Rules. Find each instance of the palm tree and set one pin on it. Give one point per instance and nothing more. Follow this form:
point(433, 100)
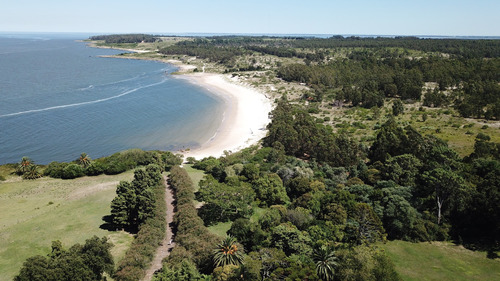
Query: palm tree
point(31, 173)
point(325, 263)
point(227, 252)
point(24, 164)
point(84, 160)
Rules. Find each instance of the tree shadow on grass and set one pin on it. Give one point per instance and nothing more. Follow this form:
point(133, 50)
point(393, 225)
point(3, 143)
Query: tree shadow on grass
point(110, 226)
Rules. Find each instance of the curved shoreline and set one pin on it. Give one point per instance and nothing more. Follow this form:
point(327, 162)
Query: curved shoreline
point(245, 117)
point(246, 112)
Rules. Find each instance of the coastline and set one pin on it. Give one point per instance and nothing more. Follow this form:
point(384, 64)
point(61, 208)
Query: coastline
point(246, 112)
point(245, 117)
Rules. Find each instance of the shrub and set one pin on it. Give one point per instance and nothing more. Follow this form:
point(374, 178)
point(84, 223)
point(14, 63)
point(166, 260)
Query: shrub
point(72, 171)
point(95, 169)
point(55, 169)
point(191, 160)
point(170, 160)
point(115, 168)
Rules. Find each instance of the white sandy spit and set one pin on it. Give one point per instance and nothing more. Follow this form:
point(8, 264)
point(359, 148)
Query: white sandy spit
point(245, 118)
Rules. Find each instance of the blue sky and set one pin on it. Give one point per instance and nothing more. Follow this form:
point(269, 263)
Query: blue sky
point(371, 17)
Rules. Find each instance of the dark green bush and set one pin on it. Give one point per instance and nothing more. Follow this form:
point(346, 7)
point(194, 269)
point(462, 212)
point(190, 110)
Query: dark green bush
point(95, 169)
point(115, 168)
point(55, 169)
point(72, 171)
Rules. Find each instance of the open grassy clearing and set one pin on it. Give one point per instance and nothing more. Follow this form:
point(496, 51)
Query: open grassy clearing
point(440, 261)
point(34, 213)
point(195, 175)
point(220, 229)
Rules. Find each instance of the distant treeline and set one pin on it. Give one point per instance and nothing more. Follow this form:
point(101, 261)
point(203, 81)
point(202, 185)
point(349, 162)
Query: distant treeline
point(126, 38)
point(204, 49)
point(457, 47)
point(288, 52)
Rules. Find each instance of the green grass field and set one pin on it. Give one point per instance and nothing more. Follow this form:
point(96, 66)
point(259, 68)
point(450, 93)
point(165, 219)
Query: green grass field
point(195, 175)
point(440, 261)
point(34, 213)
point(220, 229)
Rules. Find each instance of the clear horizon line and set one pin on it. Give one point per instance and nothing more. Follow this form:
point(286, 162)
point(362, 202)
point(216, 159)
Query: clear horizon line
point(249, 34)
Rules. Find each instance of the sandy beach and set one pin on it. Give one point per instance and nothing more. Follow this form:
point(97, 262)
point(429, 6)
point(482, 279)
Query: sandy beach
point(246, 112)
point(245, 118)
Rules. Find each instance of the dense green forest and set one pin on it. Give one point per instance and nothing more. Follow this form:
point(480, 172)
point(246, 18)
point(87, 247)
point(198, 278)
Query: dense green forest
point(312, 205)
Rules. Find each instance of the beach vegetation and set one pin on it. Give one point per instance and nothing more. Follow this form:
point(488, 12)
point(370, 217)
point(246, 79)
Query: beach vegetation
point(23, 166)
point(84, 160)
point(32, 173)
point(406, 186)
point(27, 169)
point(111, 165)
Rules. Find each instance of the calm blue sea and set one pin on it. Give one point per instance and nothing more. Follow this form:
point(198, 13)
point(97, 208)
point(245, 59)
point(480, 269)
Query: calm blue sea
point(58, 98)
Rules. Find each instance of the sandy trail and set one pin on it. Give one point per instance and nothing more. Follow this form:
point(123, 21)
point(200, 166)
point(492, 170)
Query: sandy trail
point(167, 244)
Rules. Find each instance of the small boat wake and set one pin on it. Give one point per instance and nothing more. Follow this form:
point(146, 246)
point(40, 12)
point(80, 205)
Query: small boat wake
point(83, 103)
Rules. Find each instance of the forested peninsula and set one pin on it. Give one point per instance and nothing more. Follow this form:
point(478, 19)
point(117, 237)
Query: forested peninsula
point(381, 162)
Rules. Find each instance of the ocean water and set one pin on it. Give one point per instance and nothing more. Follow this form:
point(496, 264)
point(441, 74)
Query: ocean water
point(58, 98)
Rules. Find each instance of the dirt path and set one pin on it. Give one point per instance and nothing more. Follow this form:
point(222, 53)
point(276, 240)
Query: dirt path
point(167, 244)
